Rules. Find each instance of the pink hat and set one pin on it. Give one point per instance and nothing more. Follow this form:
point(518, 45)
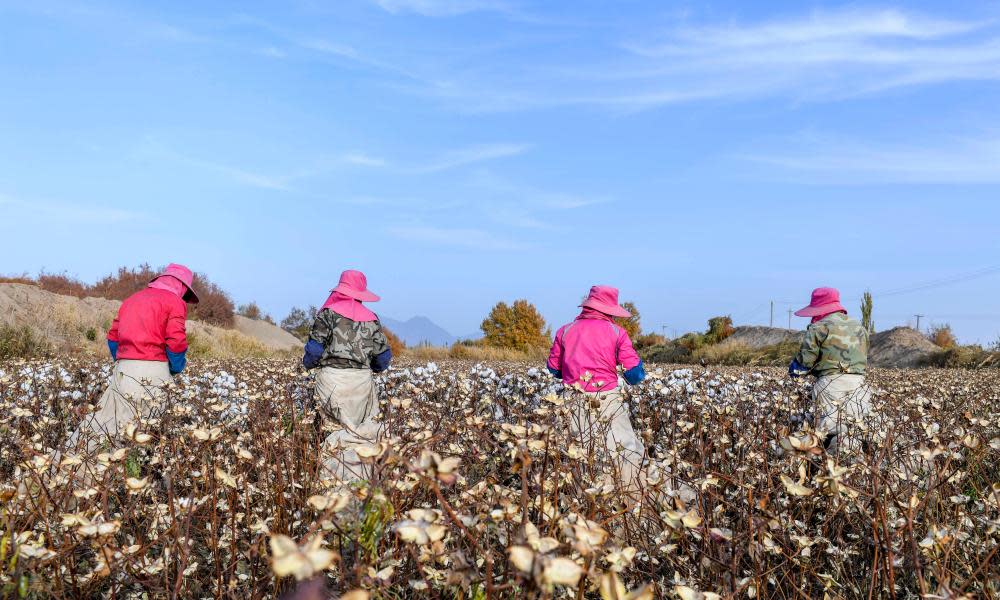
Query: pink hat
point(604, 298)
point(824, 301)
point(354, 284)
point(185, 276)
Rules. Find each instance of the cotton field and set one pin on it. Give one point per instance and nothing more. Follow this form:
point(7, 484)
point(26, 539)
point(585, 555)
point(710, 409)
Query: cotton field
point(478, 490)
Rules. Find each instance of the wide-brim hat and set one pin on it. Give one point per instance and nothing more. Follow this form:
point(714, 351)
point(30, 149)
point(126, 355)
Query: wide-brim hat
point(604, 298)
point(354, 284)
point(825, 300)
point(185, 276)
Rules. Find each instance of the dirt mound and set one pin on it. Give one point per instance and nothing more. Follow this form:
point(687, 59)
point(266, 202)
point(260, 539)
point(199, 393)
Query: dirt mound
point(71, 324)
point(900, 347)
point(272, 336)
point(760, 337)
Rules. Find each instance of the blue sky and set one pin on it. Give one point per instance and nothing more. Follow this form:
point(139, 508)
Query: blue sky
point(706, 158)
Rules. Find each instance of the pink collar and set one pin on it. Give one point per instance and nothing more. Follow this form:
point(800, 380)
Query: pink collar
point(170, 284)
point(348, 307)
point(592, 313)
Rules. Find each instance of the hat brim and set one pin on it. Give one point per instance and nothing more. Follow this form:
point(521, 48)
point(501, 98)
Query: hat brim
point(822, 309)
point(362, 295)
point(609, 309)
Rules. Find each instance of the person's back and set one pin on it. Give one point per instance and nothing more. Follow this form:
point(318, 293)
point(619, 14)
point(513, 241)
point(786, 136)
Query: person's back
point(150, 322)
point(587, 352)
point(349, 344)
point(835, 344)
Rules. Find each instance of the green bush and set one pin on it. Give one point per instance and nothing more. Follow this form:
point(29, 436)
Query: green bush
point(91, 334)
point(666, 353)
point(21, 342)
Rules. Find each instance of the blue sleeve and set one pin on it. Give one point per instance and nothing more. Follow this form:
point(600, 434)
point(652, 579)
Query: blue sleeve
point(555, 372)
point(635, 374)
point(314, 351)
point(796, 369)
point(177, 360)
point(113, 348)
point(381, 362)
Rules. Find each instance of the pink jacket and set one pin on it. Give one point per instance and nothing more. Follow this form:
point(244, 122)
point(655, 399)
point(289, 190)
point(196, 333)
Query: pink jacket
point(149, 323)
point(592, 344)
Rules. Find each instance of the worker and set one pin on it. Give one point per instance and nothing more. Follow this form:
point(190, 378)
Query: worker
point(585, 355)
point(148, 343)
point(835, 351)
point(347, 345)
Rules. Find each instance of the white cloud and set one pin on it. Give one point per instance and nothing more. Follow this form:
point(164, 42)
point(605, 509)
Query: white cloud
point(363, 160)
point(72, 212)
point(477, 239)
point(471, 155)
point(934, 161)
point(441, 8)
point(820, 56)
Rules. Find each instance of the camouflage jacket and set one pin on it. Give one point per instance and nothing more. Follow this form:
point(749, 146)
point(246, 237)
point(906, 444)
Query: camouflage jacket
point(834, 344)
point(347, 344)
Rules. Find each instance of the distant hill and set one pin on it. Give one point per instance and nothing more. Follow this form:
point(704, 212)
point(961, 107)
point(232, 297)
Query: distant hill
point(419, 330)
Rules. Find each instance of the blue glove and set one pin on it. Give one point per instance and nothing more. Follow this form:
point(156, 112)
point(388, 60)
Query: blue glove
point(177, 361)
point(555, 372)
point(796, 370)
point(635, 374)
point(381, 362)
point(113, 348)
point(314, 352)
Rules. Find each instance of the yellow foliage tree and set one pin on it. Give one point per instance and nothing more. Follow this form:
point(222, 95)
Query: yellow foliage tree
point(518, 326)
point(630, 324)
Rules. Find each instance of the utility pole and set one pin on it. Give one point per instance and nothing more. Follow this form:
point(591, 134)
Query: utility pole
point(772, 313)
point(790, 311)
point(918, 322)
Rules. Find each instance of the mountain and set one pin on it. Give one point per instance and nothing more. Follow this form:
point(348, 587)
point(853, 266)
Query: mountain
point(419, 330)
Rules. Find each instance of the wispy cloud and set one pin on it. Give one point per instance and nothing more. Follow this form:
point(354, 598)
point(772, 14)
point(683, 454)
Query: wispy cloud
point(72, 212)
point(442, 8)
point(363, 160)
point(820, 56)
point(826, 159)
point(478, 239)
point(471, 155)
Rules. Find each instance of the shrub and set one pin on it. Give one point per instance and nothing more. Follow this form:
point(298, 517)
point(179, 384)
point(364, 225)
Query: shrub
point(62, 284)
point(648, 341)
point(963, 357)
point(691, 341)
point(21, 342)
point(519, 327)
point(253, 311)
point(666, 353)
point(299, 322)
point(942, 336)
point(22, 278)
point(124, 283)
point(396, 344)
point(91, 334)
point(214, 306)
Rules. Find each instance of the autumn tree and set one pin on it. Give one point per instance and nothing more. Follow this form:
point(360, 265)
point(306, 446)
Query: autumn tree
point(719, 328)
point(518, 326)
point(630, 324)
